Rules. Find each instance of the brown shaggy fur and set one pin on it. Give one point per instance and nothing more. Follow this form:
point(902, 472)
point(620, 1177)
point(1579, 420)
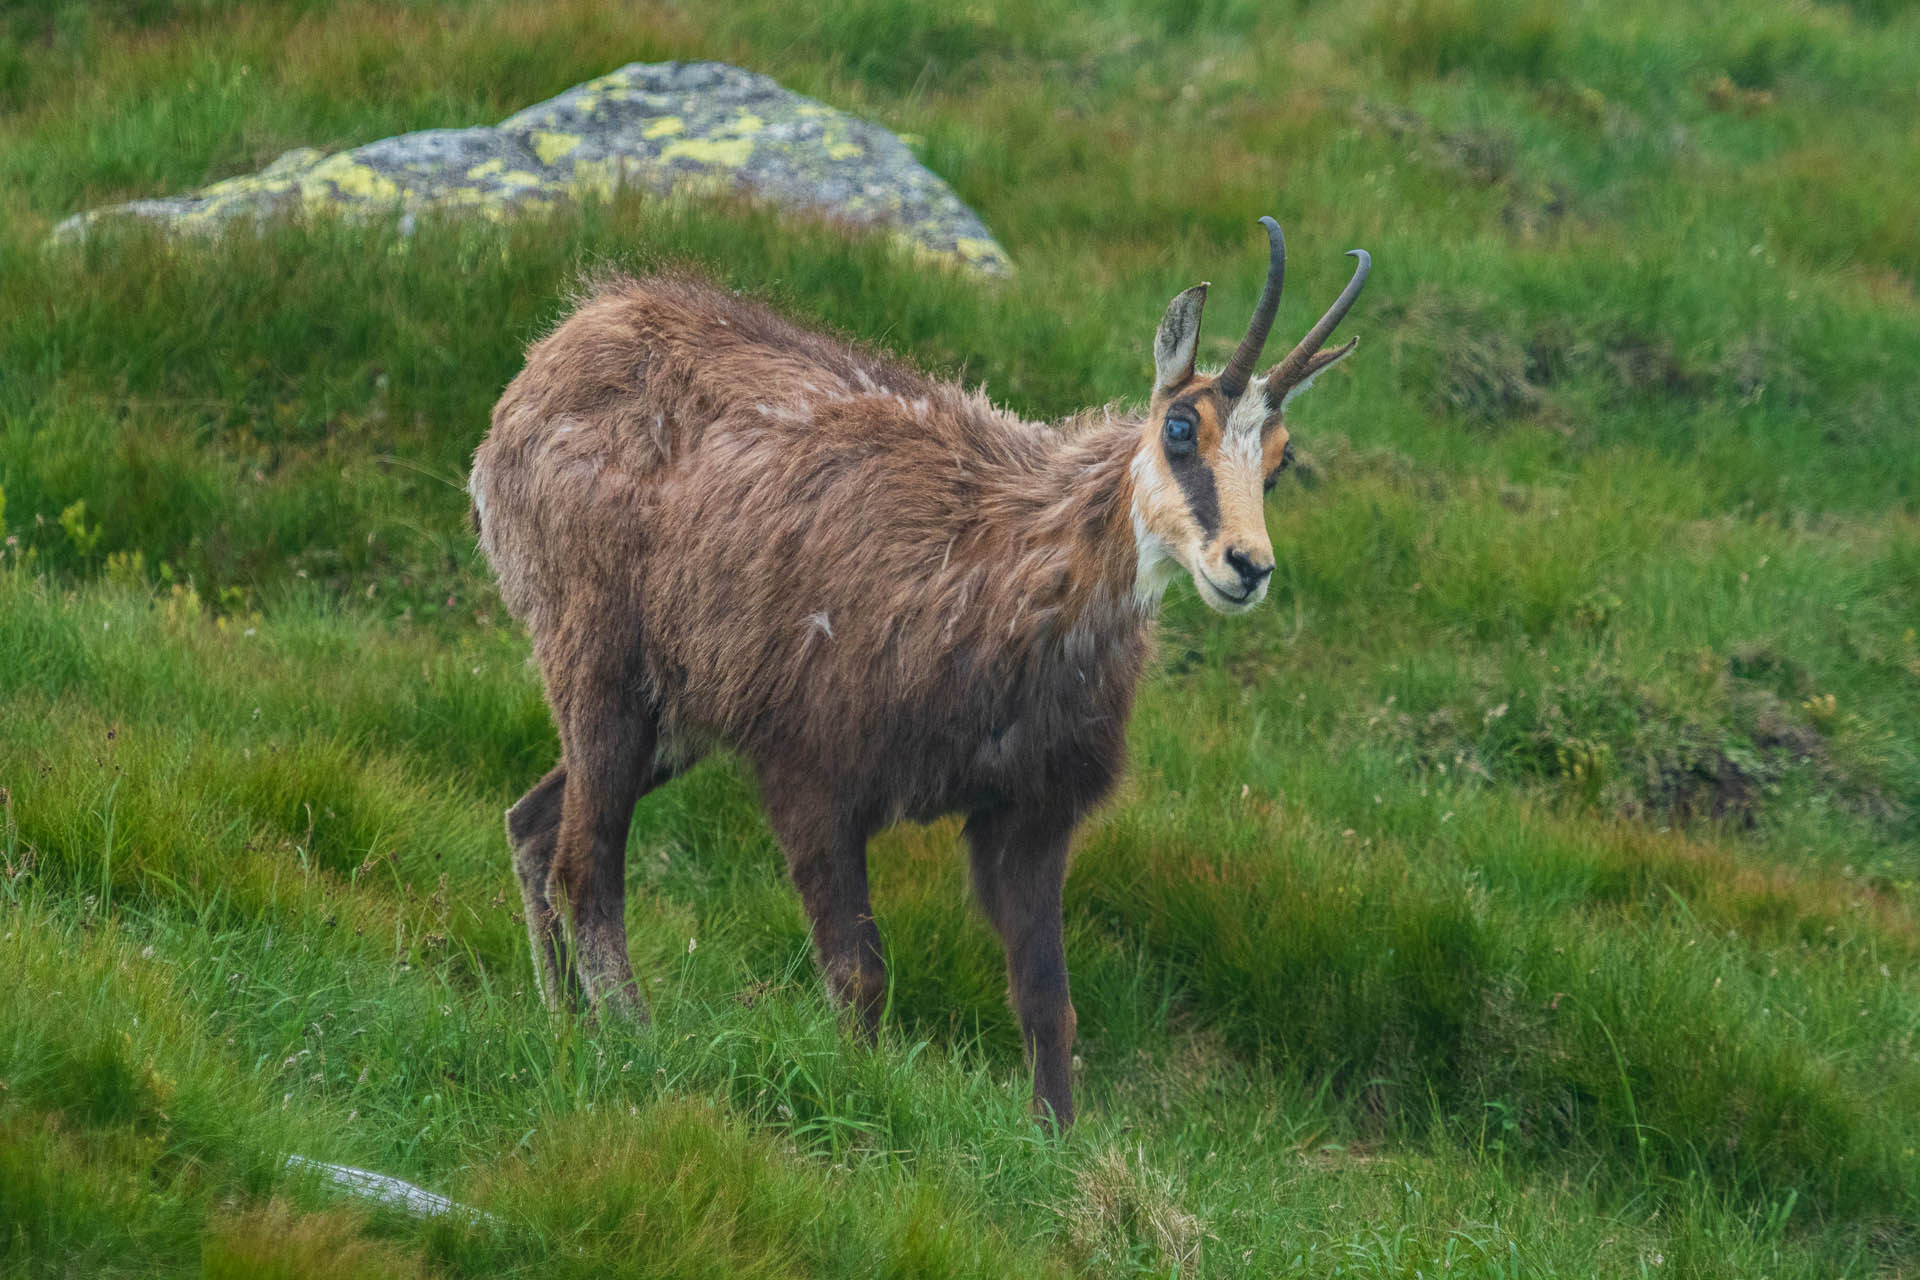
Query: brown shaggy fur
point(893, 599)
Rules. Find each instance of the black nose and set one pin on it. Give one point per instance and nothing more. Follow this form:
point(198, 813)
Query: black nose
point(1251, 574)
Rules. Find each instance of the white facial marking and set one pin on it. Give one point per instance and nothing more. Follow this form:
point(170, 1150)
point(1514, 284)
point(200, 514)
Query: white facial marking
point(1249, 416)
point(1154, 561)
point(1156, 566)
point(1241, 450)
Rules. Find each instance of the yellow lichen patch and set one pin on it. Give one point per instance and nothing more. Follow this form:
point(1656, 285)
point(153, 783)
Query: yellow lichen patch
point(248, 184)
point(615, 86)
point(729, 152)
point(487, 168)
point(967, 251)
point(521, 178)
point(746, 122)
point(974, 249)
point(664, 126)
point(844, 150)
point(917, 250)
point(298, 160)
point(490, 197)
point(277, 179)
point(349, 178)
point(551, 146)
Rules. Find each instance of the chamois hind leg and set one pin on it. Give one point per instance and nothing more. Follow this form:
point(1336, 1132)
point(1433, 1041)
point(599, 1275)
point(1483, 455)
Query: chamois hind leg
point(827, 856)
point(1019, 868)
point(607, 738)
point(533, 826)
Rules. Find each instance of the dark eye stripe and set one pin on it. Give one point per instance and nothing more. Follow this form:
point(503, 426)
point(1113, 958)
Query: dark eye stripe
point(1196, 483)
point(1192, 472)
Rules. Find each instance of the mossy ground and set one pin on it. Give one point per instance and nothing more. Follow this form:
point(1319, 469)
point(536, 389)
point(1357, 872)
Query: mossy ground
point(1529, 890)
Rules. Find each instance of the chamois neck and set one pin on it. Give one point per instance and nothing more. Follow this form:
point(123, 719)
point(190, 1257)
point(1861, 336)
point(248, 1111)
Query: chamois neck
point(1071, 510)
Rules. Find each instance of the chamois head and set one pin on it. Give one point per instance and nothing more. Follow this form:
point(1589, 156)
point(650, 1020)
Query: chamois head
point(1214, 443)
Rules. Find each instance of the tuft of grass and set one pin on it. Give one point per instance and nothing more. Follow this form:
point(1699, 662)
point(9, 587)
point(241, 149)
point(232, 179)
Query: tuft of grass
point(276, 1241)
point(1122, 1209)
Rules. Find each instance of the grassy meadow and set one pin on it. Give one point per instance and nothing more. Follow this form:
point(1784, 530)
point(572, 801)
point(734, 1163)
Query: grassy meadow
point(1531, 888)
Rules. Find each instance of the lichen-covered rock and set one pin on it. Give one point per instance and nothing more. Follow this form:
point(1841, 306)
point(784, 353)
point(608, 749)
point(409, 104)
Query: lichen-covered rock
point(668, 127)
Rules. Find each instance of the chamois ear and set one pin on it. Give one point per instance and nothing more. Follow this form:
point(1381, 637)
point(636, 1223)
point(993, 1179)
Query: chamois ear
point(1319, 364)
point(1178, 338)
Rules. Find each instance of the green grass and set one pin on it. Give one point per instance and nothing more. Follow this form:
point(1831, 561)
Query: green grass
point(1528, 891)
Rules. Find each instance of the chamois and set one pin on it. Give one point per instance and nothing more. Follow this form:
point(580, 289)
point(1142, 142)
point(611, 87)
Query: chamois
point(892, 598)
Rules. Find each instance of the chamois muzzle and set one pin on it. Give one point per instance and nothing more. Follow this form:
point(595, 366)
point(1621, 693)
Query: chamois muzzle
point(1252, 572)
point(1233, 379)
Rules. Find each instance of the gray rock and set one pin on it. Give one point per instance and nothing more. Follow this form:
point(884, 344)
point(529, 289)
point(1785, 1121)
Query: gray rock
point(672, 128)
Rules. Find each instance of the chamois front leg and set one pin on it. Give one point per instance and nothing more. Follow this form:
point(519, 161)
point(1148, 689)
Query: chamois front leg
point(827, 856)
point(1019, 869)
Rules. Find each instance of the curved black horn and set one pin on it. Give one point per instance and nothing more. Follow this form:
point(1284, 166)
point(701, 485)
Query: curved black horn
point(1294, 365)
point(1233, 379)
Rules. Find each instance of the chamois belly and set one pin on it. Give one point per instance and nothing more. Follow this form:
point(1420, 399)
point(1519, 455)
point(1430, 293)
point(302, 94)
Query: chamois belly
point(826, 694)
point(1062, 756)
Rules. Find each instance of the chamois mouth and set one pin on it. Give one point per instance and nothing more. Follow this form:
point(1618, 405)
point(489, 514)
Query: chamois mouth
point(1225, 601)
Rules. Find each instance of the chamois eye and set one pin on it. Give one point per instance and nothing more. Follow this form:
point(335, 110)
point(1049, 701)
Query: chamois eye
point(1179, 434)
